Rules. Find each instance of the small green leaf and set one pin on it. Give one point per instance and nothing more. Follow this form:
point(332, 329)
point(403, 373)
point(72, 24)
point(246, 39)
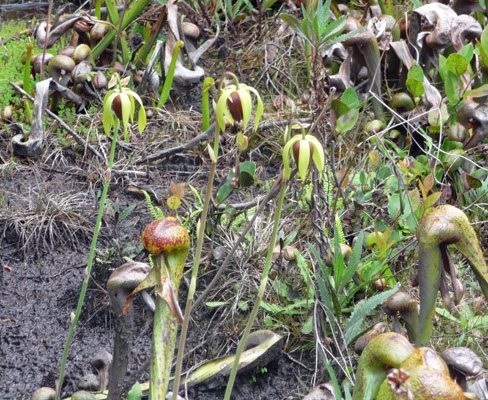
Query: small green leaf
point(416, 72)
point(438, 115)
point(224, 193)
point(428, 183)
point(473, 182)
point(453, 88)
point(431, 200)
point(478, 92)
point(443, 67)
point(414, 197)
point(415, 86)
point(467, 52)
point(214, 304)
point(174, 202)
point(483, 54)
point(483, 45)
point(350, 98)
point(339, 107)
point(135, 393)
point(457, 64)
point(347, 121)
point(247, 172)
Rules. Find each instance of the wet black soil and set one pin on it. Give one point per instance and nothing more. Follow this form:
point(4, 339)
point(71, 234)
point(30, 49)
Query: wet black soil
point(38, 294)
point(41, 277)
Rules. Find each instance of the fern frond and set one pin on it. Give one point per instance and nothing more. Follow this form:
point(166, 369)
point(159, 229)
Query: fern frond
point(339, 230)
point(156, 212)
point(328, 185)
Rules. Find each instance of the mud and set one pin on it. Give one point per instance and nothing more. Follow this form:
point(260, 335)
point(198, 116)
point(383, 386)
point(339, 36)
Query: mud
point(39, 290)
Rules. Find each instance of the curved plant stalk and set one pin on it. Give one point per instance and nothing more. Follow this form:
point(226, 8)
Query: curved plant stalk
point(90, 263)
point(262, 288)
point(442, 226)
point(403, 305)
point(168, 82)
point(365, 41)
point(384, 351)
point(207, 84)
point(304, 148)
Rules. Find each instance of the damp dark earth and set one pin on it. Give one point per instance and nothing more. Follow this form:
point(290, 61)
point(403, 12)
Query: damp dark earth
point(301, 186)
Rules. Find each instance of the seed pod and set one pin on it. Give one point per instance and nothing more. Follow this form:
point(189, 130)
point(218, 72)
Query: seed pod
point(7, 113)
point(402, 101)
point(98, 31)
point(81, 53)
point(190, 30)
point(137, 79)
point(289, 253)
point(456, 132)
point(380, 284)
point(374, 126)
point(66, 51)
point(80, 72)
point(37, 61)
point(99, 80)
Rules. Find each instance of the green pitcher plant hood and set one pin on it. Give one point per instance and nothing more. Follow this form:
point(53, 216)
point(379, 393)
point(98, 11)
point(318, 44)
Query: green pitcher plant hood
point(442, 226)
point(394, 369)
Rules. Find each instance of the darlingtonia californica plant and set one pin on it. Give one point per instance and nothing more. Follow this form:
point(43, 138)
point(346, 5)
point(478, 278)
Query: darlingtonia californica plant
point(169, 243)
point(442, 226)
point(393, 368)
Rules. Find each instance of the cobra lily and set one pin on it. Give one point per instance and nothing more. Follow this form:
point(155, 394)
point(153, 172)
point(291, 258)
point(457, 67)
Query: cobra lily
point(417, 373)
point(442, 226)
point(169, 243)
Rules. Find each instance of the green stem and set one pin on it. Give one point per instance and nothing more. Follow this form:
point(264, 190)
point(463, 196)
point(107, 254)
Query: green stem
point(207, 84)
point(27, 82)
point(193, 282)
point(89, 265)
point(168, 82)
point(131, 14)
point(150, 39)
point(98, 11)
point(262, 287)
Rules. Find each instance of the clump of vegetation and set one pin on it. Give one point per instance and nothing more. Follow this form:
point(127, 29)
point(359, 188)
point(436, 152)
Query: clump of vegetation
point(374, 146)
